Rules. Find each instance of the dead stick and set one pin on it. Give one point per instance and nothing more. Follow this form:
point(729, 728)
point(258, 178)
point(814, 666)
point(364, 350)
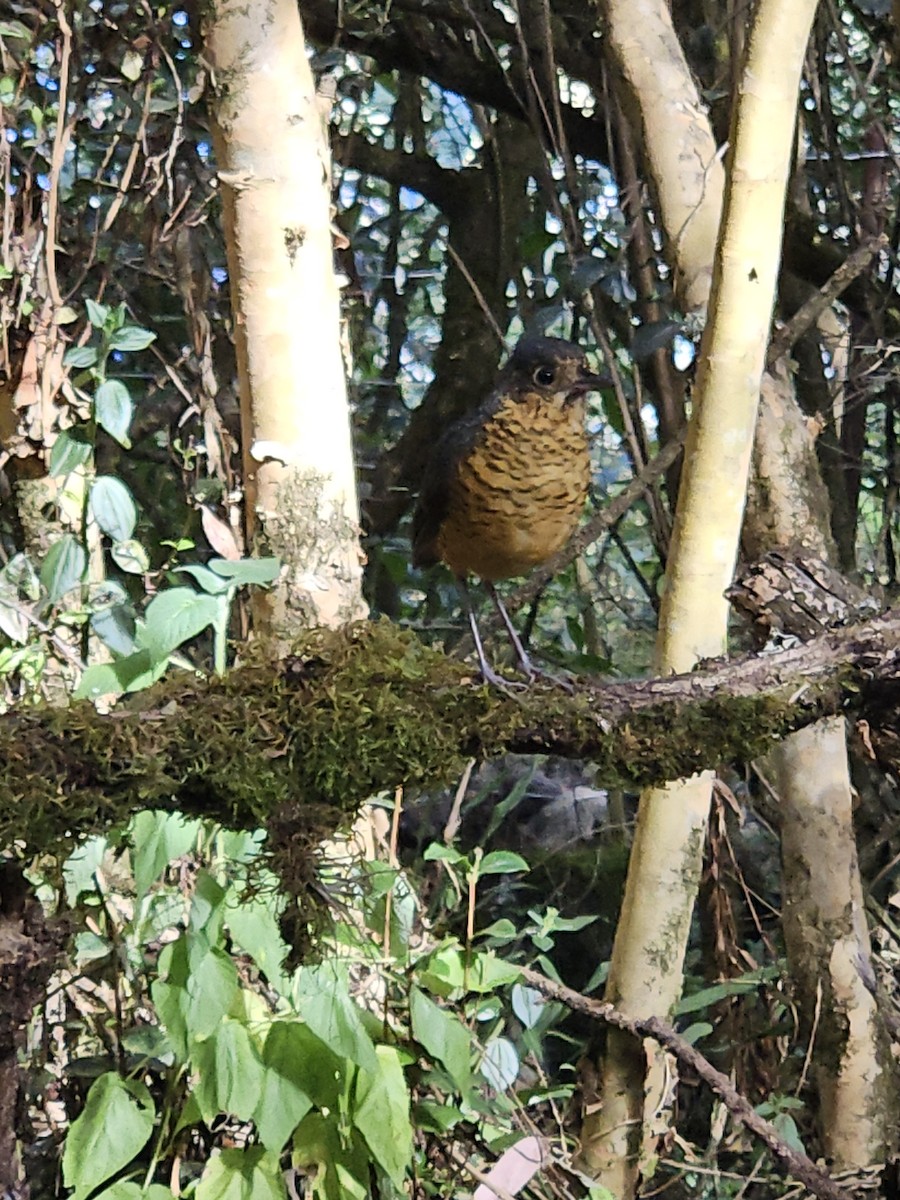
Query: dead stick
point(810, 311)
point(798, 1165)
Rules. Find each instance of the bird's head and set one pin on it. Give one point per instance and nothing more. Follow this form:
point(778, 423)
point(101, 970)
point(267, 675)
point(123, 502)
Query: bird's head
point(552, 367)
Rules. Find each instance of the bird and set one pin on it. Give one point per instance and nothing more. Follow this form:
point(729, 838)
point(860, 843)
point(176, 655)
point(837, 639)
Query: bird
point(506, 483)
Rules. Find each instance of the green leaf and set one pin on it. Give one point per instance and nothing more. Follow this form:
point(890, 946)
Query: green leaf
point(114, 1127)
point(157, 839)
point(443, 1037)
point(254, 927)
point(81, 866)
point(294, 1051)
point(382, 1114)
point(342, 1164)
point(80, 357)
point(247, 570)
point(211, 583)
point(63, 567)
point(113, 508)
point(174, 617)
point(323, 1001)
point(502, 862)
point(113, 410)
point(130, 556)
point(230, 1073)
point(252, 1174)
point(98, 314)
point(211, 987)
point(500, 1064)
point(115, 628)
point(487, 972)
point(71, 450)
point(131, 337)
point(283, 1102)
point(129, 674)
point(528, 1005)
point(127, 1189)
point(15, 29)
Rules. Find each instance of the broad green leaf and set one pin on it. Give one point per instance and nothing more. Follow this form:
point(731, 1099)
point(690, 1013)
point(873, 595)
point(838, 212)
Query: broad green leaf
point(527, 1004)
point(230, 1073)
point(211, 988)
point(15, 29)
point(13, 621)
point(63, 567)
point(98, 314)
point(254, 927)
point(343, 1168)
point(131, 337)
point(127, 1189)
point(282, 1103)
point(382, 1113)
point(175, 616)
point(443, 972)
point(169, 993)
point(113, 508)
point(129, 674)
point(436, 1118)
point(115, 628)
point(443, 1036)
point(324, 1002)
point(212, 583)
point(80, 357)
point(113, 410)
point(487, 972)
point(500, 1064)
point(502, 862)
point(247, 570)
point(294, 1052)
point(251, 1174)
point(71, 450)
point(82, 865)
point(207, 911)
point(115, 1125)
point(130, 556)
point(157, 839)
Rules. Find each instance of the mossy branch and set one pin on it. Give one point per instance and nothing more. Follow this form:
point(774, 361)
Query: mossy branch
point(361, 710)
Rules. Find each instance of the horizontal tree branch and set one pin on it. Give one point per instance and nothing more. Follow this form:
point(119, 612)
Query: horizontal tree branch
point(358, 711)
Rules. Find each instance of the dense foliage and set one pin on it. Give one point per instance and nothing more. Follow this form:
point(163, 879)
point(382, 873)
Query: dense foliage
point(474, 199)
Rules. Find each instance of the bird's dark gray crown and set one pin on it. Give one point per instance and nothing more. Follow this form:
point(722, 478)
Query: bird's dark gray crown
point(532, 352)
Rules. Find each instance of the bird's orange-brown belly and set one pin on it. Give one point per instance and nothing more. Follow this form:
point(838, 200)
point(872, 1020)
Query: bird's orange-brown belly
point(518, 496)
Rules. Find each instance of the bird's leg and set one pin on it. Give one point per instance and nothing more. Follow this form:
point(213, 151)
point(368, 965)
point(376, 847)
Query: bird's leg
point(527, 665)
point(488, 674)
point(521, 653)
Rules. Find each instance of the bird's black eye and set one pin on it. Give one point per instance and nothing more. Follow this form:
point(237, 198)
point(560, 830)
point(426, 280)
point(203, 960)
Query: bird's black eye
point(544, 376)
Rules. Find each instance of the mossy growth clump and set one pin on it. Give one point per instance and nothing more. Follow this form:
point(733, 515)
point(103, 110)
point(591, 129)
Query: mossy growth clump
point(346, 714)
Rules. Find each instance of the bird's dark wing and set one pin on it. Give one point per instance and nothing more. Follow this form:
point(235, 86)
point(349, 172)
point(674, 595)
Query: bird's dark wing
point(435, 493)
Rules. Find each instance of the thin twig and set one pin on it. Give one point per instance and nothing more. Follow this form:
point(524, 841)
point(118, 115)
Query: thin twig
point(797, 1164)
point(807, 314)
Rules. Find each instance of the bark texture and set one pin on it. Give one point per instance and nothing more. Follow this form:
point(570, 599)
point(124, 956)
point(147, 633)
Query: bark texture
point(276, 182)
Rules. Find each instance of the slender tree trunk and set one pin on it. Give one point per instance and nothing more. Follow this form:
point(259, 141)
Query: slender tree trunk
point(274, 167)
point(829, 949)
point(708, 520)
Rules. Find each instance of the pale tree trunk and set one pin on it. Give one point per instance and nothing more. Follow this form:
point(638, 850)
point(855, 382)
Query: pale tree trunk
point(648, 956)
point(661, 97)
point(274, 166)
point(828, 946)
point(825, 930)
